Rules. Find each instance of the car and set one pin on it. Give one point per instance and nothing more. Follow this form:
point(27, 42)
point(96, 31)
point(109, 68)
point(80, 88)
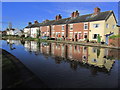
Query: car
point(45, 37)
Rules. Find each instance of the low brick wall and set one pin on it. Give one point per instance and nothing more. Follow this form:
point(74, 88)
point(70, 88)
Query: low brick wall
point(114, 42)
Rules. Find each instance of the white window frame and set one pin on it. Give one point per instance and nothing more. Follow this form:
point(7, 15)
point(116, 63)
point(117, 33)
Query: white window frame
point(113, 26)
point(71, 27)
point(63, 28)
point(107, 25)
point(62, 33)
point(53, 28)
point(94, 25)
point(85, 26)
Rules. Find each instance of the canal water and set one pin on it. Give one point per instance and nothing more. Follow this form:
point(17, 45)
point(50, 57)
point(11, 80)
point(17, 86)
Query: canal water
point(66, 65)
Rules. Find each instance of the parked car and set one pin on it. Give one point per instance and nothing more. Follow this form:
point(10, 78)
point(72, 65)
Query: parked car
point(45, 37)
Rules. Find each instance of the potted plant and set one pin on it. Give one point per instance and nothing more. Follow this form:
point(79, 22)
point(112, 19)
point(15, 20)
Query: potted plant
point(102, 42)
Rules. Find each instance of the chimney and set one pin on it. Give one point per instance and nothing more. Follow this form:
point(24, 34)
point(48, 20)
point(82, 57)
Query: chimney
point(58, 17)
point(45, 21)
point(29, 23)
point(96, 10)
point(35, 22)
point(75, 14)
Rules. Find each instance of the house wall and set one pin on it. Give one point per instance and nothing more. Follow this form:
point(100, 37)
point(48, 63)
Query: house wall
point(45, 30)
point(111, 21)
point(26, 32)
point(99, 30)
point(78, 29)
point(57, 31)
point(34, 32)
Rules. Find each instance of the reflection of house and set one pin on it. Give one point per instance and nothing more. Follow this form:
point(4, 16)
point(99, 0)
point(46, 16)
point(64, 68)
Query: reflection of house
point(113, 54)
point(27, 46)
point(73, 53)
point(45, 48)
point(98, 57)
point(31, 46)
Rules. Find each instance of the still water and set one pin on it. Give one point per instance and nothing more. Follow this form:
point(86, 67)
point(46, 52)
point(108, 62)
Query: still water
point(66, 65)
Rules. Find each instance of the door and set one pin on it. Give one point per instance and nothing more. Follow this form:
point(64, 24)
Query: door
point(107, 37)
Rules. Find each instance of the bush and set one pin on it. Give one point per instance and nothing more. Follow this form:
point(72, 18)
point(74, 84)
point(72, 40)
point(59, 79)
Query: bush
point(114, 36)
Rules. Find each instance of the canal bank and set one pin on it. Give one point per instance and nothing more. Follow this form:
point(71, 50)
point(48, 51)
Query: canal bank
point(65, 42)
point(16, 75)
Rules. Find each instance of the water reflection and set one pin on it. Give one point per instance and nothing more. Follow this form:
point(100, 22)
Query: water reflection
point(96, 59)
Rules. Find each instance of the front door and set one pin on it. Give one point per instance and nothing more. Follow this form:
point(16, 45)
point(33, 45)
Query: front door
point(107, 38)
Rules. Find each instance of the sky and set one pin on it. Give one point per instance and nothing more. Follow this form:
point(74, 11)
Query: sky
point(20, 13)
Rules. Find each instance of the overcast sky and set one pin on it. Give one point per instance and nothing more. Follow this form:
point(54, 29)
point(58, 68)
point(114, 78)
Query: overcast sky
point(20, 13)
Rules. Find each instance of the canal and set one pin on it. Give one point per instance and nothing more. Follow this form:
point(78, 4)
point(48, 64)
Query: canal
point(68, 66)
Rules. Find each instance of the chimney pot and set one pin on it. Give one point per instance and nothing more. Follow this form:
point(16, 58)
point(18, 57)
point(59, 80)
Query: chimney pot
point(58, 17)
point(29, 23)
point(35, 21)
point(97, 10)
point(75, 14)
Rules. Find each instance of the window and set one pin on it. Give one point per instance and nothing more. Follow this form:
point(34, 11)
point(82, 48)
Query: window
point(53, 28)
point(94, 36)
point(71, 34)
point(85, 35)
point(95, 25)
point(62, 27)
point(113, 26)
point(47, 27)
point(71, 27)
point(85, 26)
point(107, 25)
point(62, 34)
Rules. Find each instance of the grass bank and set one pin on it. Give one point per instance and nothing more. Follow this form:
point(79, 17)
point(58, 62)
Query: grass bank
point(16, 75)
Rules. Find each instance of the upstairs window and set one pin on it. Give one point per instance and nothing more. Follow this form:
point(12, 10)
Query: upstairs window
point(85, 26)
point(107, 25)
point(71, 27)
point(95, 25)
point(62, 27)
point(113, 26)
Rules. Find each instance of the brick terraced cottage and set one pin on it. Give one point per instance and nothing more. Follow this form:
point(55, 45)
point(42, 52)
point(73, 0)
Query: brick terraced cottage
point(97, 26)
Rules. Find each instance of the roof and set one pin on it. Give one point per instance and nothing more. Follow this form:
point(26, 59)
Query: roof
point(48, 23)
point(91, 17)
point(36, 25)
point(61, 21)
point(83, 18)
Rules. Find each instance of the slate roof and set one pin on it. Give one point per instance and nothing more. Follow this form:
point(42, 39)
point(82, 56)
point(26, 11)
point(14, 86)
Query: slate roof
point(62, 21)
point(83, 18)
point(48, 23)
point(36, 25)
point(91, 17)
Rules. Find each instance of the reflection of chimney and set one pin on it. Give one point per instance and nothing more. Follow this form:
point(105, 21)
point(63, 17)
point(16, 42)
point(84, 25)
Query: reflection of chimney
point(29, 23)
point(35, 22)
point(96, 10)
point(75, 14)
point(58, 17)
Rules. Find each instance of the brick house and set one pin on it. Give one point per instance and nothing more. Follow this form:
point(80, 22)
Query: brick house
point(81, 27)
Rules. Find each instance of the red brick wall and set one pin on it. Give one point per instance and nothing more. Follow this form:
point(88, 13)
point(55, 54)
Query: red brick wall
point(114, 42)
point(78, 27)
point(45, 29)
point(58, 28)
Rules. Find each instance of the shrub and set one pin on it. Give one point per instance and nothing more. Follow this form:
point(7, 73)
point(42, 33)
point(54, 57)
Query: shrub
point(114, 36)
